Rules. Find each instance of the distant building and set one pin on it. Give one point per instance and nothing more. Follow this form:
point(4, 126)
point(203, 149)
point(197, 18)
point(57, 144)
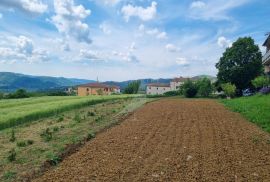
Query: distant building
point(266, 57)
point(161, 88)
point(97, 89)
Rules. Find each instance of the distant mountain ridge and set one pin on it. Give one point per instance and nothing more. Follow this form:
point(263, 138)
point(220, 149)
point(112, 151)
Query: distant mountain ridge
point(10, 82)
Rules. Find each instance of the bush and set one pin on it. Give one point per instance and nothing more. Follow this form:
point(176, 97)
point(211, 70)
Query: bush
point(90, 135)
point(89, 113)
point(12, 137)
point(21, 144)
point(204, 87)
point(12, 155)
point(172, 93)
point(29, 142)
point(229, 89)
point(77, 118)
point(60, 119)
point(189, 89)
point(260, 81)
point(46, 135)
point(20, 93)
point(265, 90)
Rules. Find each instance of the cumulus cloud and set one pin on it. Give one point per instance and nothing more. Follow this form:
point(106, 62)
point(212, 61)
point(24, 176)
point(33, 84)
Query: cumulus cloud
point(144, 14)
point(172, 48)
point(109, 2)
point(28, 6)
point(182, 62)
point(223, 42)
point(197, 4)
point(153, 32)
point(69, 20)
point(90, 55)
point(22, 49)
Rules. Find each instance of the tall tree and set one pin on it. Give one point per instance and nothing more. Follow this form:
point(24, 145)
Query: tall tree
point(133, 87)
point(240, 64)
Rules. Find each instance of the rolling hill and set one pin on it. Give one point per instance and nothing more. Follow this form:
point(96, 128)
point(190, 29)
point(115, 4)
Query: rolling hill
point(13, 81)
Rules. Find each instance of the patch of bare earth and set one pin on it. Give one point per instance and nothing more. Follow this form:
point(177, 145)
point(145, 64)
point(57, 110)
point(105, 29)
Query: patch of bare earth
point(172, 140)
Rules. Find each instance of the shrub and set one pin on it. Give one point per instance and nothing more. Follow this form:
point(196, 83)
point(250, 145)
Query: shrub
point(133, 87)
point(12, 155)
point(90, 113)
point(20, 93)
point(265, 90)
point(189, 89)
point(46, 135)
point(12, 137)
point(172, 93)
point(21, 144)
point(60, 119)
point(260, 81)
point(9, 175)
point(56, 128)
point(29, 142)
point(77, 117)
point(229, 89)
point(90, 135)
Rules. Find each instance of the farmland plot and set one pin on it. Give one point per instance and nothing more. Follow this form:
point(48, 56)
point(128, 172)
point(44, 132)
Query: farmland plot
point(173, 140)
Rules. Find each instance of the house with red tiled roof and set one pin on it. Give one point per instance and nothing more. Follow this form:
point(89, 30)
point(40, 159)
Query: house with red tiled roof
point(97, 89)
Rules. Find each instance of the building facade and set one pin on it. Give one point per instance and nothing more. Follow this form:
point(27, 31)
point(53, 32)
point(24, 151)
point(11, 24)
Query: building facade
point(161, 88)
point(266, 57)
point(97, 89)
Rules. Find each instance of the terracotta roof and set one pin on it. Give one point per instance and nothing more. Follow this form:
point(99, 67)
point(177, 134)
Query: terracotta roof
point(158, 85)
point(98, 85)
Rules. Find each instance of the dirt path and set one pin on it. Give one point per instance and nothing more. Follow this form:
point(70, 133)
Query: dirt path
point(173, 140)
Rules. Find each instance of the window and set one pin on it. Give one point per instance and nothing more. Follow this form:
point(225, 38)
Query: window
point(87, 89)
point(157, 88)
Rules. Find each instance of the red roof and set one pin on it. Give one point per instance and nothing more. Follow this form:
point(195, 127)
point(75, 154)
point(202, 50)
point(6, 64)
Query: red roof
point(98, 85)
point(158, 85)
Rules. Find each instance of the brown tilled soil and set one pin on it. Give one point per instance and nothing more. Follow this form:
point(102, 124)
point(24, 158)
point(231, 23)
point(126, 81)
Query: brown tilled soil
point(173, 140)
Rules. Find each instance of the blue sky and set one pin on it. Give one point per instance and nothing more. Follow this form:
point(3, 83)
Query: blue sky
point(124, 39)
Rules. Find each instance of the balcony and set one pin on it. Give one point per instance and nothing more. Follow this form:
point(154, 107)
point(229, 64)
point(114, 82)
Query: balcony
point(266, 58)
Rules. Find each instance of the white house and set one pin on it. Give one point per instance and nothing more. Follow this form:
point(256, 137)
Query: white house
point(161, 88)
point(266, 57)
point(157, 88)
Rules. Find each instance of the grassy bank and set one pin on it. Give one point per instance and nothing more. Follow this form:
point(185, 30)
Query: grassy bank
point(18, 111)
point(255, 108)
point(45, 139)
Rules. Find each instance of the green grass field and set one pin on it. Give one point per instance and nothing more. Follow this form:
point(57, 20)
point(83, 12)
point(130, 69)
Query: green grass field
point(18, 111)
point(255, 108)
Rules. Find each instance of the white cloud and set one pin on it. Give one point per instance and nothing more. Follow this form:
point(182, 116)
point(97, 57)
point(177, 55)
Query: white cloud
point(213, 9)
point(144, 14)
point(153, 32)
point(223, 42)
point(182, 62)
point(25, 45)
point(109, 2)
point(172, 48)
point(28, 6)
point(162, 35)
point(90, 55)
point(105, 28)
point(22, 49)
point(68, 20)
point(197, 4)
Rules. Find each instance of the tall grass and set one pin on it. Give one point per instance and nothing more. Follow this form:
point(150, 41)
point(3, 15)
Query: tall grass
point(20, 111)
point(255, 108)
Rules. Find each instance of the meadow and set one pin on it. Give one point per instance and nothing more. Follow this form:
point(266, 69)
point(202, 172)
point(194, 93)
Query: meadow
point(18, 111)
point(255, 108)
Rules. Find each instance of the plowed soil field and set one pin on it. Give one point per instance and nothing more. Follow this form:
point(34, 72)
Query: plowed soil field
point(172, 140)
